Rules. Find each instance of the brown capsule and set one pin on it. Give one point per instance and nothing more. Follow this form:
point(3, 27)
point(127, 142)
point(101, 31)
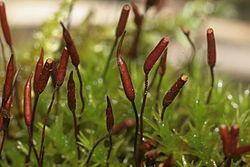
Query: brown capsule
point(125, 78)
point(47, 68)
point(163, 62)
point(61, 70)
point(71, 93)
point(38, 70)
point(225, 137)
point(109, 116)
point(27, 103)
point(234, 133)
point(123, 20)
point(211, 48)
point(125, 124)
point(155, 54)
point(53, 73)
point(70, 46)
point(4, 24)
point(138, 18)
point(174, 90)
point(9, 78)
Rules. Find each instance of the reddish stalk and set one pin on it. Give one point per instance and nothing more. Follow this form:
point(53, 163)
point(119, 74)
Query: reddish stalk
point(46, 118)
point(186, 32)
point(172, 93)
point(154, 77)
point(211, 57)
point(71, 99)
point(118, 33)
point(148, 65)
point(2, 142)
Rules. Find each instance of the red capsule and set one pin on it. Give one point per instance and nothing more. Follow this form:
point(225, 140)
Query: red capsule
point(211, 47)
point(163, 62)
point(242, 150)
point(174, 90)
point(38, 70)
point(7, 105)
point(138, 18)
point(168, 162)
point(53, 73)
point(109, 116)
point(125, 124)
point(123, 20)
point(125, 78)
point(155, 54)
point(225, 137)
point(70, 46)
point(150, 3)
point(47, 68)
point(27, 103)
point(61, 70)
point(5, 115)
point(4, 24)
point(8, 84)
point(234, 133)
point(71, 93)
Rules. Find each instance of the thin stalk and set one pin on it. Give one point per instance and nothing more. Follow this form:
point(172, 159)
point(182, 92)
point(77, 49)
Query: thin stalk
point(109, 58)
point(143, 106)
point(158, 93)
point(31, 129)
point(162, 113)
point(154, 77)
point(3, 54)
point(110, 149)
point(212, 86)
point(76, 131)
point(46, 117)
point(93, 149)
point(190, 65)
point(136, 129)
point(193, 48)
point(2, 142)
point(31, 145)
point(57, 101)
point(81, 88)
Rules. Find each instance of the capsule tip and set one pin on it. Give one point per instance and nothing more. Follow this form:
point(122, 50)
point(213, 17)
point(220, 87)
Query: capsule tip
point(184, 77)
